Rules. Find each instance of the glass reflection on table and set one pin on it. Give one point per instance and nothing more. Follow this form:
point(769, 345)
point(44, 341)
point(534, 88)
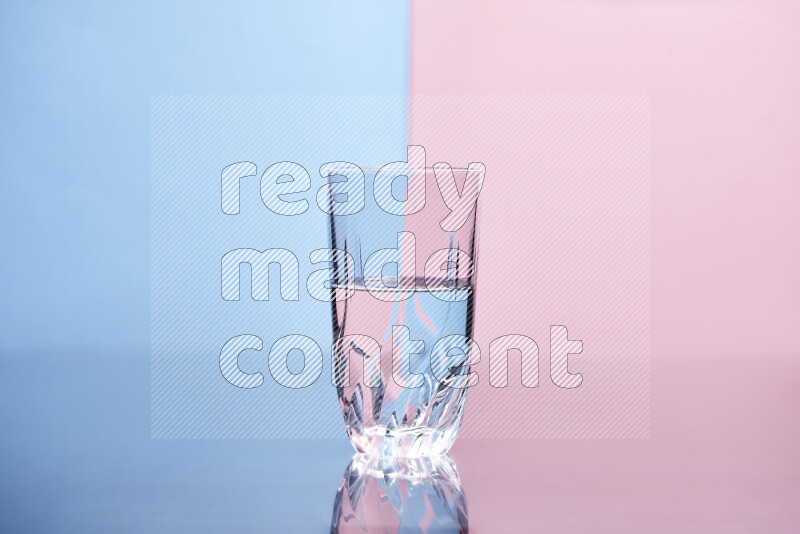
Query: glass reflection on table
point(385, 494)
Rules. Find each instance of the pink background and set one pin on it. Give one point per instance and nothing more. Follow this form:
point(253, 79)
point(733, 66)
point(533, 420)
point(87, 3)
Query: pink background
point(722, 80)
point(564, 239)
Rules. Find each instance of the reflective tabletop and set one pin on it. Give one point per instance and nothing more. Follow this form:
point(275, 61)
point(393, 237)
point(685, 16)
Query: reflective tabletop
point(77, 457)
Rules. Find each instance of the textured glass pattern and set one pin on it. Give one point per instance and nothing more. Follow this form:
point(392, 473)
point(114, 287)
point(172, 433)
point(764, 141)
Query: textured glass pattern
point(400, 495)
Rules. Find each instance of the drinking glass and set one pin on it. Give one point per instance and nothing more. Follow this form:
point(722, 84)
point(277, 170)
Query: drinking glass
point(404, 304)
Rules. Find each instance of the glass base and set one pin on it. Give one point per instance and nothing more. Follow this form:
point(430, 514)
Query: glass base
point(411, 442)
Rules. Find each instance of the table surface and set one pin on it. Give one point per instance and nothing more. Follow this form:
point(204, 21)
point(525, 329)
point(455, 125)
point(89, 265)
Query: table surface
point(77, 457)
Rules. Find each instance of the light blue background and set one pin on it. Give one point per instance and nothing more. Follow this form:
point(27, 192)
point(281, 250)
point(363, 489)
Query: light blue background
point(74, 336)
point(193, 140)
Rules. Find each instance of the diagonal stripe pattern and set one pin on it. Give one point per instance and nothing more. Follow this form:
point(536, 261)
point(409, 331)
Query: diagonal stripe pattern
point(564, 241)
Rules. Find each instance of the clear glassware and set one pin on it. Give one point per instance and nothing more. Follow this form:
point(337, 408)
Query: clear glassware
point(384, 494)
point(404, 307)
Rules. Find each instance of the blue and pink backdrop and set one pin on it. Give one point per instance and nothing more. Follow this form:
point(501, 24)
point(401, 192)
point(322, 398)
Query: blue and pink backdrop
point(640, 189)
